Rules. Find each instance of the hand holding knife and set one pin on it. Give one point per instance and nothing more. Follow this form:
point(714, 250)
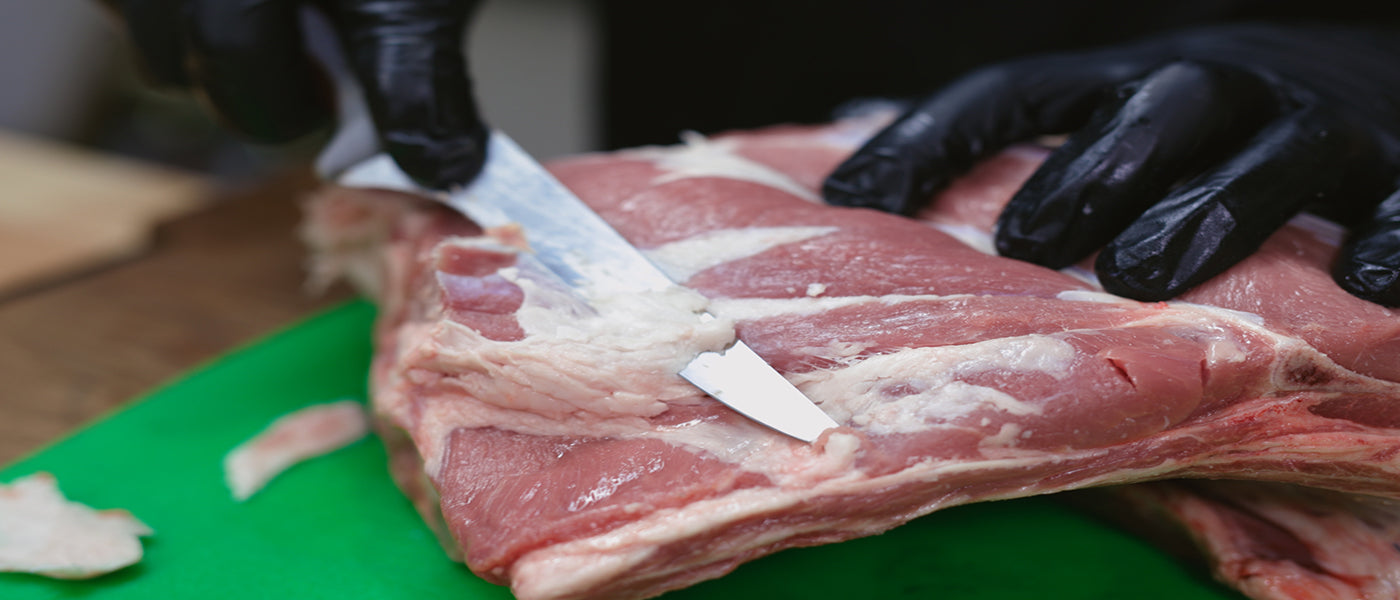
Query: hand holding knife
point(571, 240)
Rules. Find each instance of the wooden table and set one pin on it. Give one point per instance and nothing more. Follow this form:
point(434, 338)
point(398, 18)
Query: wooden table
point(213, 280)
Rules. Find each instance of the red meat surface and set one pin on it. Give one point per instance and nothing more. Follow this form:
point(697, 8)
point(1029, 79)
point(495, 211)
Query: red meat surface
point(555, 444)
point(1271, 541)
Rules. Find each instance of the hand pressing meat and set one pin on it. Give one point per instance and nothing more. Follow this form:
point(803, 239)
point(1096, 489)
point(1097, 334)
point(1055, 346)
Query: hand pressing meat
point(248, 60)
point(1186, 152)
point(1189, 149)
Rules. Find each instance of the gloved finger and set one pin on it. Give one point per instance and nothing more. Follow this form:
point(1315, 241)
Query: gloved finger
point(1173, 122)
point(409, 58)
point(1219, 217)
point(248, 59)
point(1369, 264)
point(155, 30)
point(900, 168)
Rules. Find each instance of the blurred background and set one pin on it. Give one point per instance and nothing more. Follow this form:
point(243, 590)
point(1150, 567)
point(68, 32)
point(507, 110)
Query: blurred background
point(68, 75)
point(95, 160)
point(139, 239)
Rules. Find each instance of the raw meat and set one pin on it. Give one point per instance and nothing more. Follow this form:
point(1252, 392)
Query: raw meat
point(1271, 541)
point(556, 446)
point(306, 433)
point(42, 532)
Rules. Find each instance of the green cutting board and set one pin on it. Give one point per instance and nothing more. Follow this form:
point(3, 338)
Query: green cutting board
point(335, 526)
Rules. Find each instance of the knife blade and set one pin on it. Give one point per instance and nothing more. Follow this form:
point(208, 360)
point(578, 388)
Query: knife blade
point(589, 255)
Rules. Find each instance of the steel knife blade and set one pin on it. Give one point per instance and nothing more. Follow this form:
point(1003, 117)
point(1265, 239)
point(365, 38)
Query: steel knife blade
point(589, 255)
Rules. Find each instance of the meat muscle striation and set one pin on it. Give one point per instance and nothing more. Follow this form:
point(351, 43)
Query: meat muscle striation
point(556, 446)
point(1271, 541)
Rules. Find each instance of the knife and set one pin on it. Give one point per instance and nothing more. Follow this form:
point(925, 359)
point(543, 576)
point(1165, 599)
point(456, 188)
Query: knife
point(563, 233)
point(591, 257)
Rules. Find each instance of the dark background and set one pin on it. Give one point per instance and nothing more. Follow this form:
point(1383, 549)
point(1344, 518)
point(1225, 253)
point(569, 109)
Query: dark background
point(669, 66)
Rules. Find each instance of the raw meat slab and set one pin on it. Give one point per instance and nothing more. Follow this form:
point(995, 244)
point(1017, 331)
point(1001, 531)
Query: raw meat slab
point(553, 445)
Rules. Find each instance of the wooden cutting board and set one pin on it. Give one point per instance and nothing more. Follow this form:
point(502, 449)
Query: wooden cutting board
point(64, 210)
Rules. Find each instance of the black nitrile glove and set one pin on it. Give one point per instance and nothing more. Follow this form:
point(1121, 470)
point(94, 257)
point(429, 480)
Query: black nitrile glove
point(1186, 152)
point(247, 58)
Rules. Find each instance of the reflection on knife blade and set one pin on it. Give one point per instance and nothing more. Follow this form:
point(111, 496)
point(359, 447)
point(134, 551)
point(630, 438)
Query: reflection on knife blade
point(590, 256)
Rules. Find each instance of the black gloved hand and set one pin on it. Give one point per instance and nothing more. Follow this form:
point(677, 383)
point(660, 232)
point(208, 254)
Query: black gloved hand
point(247, 58)
point(1186, 152)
